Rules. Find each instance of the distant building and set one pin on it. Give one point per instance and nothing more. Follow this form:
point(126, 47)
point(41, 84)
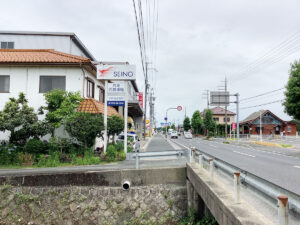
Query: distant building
point(270, 124)
point(219, 115)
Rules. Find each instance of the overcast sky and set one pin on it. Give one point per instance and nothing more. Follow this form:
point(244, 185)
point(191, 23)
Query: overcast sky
point(199, 43)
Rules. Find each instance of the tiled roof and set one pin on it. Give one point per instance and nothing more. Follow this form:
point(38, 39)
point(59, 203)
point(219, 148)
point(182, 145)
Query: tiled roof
point(39, 56)
point(91, 105)
point(253, 116)
point(219, 111)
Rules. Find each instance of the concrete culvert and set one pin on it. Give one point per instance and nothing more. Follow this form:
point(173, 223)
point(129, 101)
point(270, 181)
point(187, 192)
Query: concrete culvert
point(126, 185)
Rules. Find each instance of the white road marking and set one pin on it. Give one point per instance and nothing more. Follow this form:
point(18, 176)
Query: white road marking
point(244, 154)
point(297, 167)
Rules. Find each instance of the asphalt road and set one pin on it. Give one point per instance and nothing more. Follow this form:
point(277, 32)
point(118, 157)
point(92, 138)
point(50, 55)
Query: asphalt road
point(159, 143)
point(275, 166)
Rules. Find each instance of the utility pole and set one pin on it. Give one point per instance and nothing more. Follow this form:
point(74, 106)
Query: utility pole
point(260, 130)
point(152, 99)
point(146, 96)
point(226, 109)
point(206, 96)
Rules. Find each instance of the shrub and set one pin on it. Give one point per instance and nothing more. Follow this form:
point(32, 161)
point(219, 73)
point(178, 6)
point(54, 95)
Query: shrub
point(25, 158)
point(111, 152)
point(64, 145)
point(87, 159)
point(51, 160)
point(35, 146)
point(85, 127)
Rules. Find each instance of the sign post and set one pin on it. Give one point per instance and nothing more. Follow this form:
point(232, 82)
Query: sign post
point(116, 72)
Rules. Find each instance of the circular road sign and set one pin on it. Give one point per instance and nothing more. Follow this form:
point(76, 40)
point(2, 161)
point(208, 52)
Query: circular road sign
point(166, 118)
point(179, 108)
point(147, 121)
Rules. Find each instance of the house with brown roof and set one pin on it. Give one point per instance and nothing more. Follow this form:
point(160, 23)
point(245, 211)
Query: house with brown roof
point(219, 115)
point(268, 123)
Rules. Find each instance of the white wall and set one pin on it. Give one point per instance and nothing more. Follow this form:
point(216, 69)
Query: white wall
point(59, 43)
point(27, 79)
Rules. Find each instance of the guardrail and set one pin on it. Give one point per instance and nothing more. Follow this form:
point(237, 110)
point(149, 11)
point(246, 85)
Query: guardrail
point(139, 155)
point(273, 191)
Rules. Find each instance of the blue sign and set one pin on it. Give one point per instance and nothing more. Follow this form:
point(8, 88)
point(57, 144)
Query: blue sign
point(169, 123)
point(162, 124)
point(116, 103)
point(166, 118)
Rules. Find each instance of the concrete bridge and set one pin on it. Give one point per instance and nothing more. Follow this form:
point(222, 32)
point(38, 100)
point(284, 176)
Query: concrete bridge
point(171, 191)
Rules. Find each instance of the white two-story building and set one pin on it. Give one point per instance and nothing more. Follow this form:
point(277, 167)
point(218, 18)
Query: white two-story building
point(37, 62)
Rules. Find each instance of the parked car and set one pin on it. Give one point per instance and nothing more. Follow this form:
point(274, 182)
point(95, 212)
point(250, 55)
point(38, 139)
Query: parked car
point(135, 143)
point(188, 135)
point(174, 134)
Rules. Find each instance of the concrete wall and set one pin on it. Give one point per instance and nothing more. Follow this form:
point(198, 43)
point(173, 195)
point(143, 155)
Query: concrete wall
point(208, 195)
point(157, 195)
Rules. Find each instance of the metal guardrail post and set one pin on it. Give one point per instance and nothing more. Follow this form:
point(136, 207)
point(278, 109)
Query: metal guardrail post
point(236, 187)
point(193, 154)
point(211, 168)
point(282, 210)
point(136, 161)
point(179, 156)
point(201, 160)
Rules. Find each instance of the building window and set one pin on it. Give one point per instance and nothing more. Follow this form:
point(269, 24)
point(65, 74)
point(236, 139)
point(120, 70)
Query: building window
point(90, 89)
point(258, 130)
point(7, 45)
point(101, 94)
point(48, 83)
point(228, 119)
point(289, 129)
point(216, 119)
point(4, 84)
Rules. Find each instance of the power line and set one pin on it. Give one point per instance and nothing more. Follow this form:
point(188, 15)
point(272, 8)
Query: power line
point(268, 103)
point(282, 50)
point(269, 92)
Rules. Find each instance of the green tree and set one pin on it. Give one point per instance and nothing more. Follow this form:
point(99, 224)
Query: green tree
point(197, 122)
point(209, 123)
point(85, 127)
point(173, 126)
point(60, 105)
point(21, 120)
point(115, 125)
point(186, 124)
point(292, 93)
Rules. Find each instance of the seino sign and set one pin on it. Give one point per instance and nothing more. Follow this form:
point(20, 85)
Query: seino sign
point(116, 72)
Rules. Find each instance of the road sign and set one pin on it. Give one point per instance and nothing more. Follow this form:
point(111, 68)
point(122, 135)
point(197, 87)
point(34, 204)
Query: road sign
point(147, 121)
point(166, 118)
point(116, 72)
point(218, 98)
point(169, 123)
point(179, 108)
point(116, 103)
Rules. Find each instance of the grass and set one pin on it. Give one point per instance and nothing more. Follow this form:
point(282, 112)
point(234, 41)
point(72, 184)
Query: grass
point(286, 145)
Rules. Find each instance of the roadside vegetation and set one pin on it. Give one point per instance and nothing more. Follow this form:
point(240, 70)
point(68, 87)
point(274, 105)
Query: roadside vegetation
point(25, 147)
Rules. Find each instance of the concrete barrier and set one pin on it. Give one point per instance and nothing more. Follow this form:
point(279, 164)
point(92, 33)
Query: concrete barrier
point(115, 178)
point(215, 197)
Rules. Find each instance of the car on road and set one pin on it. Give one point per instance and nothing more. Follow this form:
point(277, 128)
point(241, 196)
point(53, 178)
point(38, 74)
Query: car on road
point(135, 143)
point(174, 134)
point(188, 135)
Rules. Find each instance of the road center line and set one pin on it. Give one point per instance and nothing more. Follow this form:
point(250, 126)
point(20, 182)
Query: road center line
point(297, 167)
point(244, 154)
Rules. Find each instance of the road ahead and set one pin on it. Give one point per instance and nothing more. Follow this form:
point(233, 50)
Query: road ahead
point(280, 169)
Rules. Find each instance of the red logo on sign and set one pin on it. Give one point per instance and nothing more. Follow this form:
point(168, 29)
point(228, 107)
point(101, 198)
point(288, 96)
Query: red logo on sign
point(103, 72)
